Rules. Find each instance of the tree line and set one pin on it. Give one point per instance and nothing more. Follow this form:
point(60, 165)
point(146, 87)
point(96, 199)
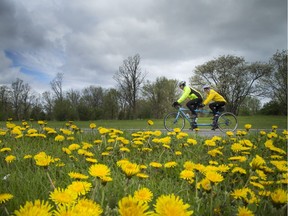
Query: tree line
point(243, 85)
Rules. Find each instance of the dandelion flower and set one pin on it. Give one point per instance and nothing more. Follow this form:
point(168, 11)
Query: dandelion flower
point(244, 211)
point(4, 197)
point(170, 164)
point(37, 208)
point(75, 175)
point(130, 206)
point(10, 158)
point(99, 170)
point(155, 164)
point(214, 176)
point(143, 195)
point(279, 196)
point(92, 125)
point(171, 205)
point(187, 174)
point(63, 197)
point(130, 169)
point(150, 122)
point(80, 187)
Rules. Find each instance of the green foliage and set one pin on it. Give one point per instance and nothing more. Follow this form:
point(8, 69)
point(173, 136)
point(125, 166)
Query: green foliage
point(273, 108)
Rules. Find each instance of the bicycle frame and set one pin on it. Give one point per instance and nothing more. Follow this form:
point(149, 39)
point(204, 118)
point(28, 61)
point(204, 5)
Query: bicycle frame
point(226, 121)
point(182, 110)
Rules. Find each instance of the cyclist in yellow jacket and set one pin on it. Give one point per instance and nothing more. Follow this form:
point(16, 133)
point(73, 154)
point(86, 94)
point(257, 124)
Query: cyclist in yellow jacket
point(217, 104)
point(194, 102)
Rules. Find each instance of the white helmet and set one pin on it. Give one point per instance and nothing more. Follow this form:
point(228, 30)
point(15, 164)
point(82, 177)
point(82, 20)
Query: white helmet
point(206, 87)
point(182, 83)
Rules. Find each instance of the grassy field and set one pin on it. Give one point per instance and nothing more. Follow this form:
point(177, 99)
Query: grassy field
point(110, 172)
point(257, 122)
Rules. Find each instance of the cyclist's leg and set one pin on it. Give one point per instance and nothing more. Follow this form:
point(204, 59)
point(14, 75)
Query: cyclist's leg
point(192, 106)
point(216, 108)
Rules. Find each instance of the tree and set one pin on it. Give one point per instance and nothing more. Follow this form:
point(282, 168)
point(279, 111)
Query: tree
point(160, 95)
point(21, 97)
point(48, 104)
point(56, 85)
point(275, 85)
point(129, 78)
point(92, 97)
point(5, 103)
point(110, 104)
point(232, 77)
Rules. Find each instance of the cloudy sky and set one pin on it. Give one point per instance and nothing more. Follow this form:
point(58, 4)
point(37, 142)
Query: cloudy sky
point(87, 40)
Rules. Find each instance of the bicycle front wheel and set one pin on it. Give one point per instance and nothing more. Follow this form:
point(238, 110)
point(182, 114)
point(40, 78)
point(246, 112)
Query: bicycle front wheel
point(227, 122)
point(174, 120)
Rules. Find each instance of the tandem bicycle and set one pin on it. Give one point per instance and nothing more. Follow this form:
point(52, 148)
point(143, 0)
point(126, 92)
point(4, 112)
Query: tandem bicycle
point(226, 121)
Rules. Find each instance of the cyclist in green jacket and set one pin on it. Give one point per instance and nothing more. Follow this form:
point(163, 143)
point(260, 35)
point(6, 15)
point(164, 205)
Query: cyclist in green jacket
point(194, 102)
point(217, 104)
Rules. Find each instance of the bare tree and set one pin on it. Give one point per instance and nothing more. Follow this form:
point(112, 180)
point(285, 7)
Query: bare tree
point(129, 78)
point(56, 85)
point(275, 86)
point(48, 104)
point(20, 96)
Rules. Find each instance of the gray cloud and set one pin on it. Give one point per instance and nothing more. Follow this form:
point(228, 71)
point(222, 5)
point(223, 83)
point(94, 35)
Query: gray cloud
point(89, 40)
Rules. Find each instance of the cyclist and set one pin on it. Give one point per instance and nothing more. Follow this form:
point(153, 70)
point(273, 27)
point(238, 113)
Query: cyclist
point(217, 104)
point(194, 102)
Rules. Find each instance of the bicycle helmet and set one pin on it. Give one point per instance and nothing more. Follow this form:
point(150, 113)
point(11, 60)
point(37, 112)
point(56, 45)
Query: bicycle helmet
point(182, 83)
point(206, 87)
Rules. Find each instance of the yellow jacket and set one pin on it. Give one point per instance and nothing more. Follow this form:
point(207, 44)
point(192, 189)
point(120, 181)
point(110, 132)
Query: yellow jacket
point(189, 93)
point(214, 96)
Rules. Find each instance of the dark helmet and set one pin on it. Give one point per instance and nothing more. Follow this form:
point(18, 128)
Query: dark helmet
point(182, 83)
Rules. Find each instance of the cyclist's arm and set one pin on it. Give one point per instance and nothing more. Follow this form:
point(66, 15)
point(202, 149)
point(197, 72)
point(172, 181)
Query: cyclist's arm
point(186, 92)
point(209, 97)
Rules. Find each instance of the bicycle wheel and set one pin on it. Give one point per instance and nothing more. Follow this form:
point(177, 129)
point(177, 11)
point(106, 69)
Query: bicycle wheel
point(227, 122)
point(171, 121)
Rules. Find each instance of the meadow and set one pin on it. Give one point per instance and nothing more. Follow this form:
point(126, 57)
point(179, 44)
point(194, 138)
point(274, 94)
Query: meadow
point(58, 168)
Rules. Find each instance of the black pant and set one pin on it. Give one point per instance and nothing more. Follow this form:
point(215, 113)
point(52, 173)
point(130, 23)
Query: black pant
point(193, 104)
point(216, 106)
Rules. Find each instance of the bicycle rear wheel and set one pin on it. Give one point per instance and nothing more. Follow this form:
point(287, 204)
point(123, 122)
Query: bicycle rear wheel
point(174, 120)
point(227, 122)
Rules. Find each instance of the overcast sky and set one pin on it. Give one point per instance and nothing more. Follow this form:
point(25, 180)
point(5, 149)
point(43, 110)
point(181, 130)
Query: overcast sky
point(87, 40)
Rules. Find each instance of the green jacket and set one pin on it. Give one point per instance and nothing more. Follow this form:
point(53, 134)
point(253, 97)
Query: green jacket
point(190, 93)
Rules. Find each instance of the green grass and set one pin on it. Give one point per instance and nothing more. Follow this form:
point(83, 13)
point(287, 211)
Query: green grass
point(27, 181)
point(257, 122)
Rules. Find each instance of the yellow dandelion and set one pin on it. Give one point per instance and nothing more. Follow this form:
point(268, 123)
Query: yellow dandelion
point(206, 184)
point(187, 174)
point(80, 187)
point(171, 205)
point(130, 206)
point(10, 158)
point(142, 175)
point(99, 170)
point(59, 138)
point(279, 196)
point(192, 141)
point(214, 176)
point(130, 169)
point(247, 126)
point(6, 149)
point(177, 130)
point(155, 164)
point(63, 196)
point(150, 122)
point(39, 207)
point(143, 195)
point(92, 125)
point(170, 164)
point(244, 211)
point(4, 197)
